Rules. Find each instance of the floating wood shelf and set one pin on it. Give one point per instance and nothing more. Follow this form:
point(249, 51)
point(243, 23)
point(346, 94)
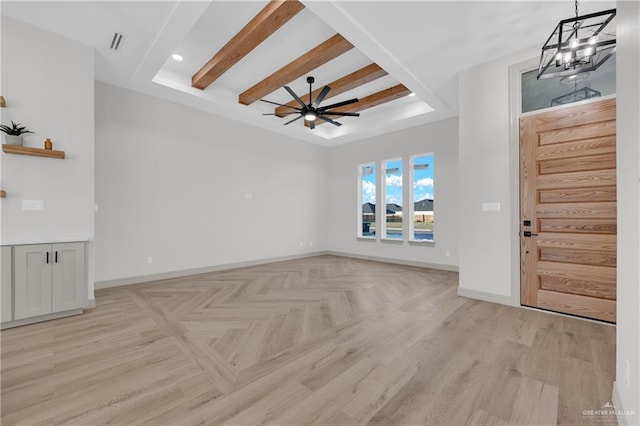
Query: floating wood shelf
point(2, 194)
point(38, 152)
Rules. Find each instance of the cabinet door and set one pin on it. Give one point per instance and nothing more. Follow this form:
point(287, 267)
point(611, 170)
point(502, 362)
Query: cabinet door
point(5, 284)
point(32, 286)
point(68, 284)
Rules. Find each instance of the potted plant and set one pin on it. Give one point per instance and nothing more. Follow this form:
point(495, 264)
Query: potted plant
point(13, 135)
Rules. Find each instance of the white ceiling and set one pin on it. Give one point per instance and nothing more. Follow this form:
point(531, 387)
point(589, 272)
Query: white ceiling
point(421, 44)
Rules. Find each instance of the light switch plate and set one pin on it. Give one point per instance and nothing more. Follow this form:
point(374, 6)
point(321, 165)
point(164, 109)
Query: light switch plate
point(32, 205)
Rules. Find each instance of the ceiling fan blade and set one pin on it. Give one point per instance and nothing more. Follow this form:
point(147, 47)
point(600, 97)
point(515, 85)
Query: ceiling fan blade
point(297, 118)
point(328, 120)
point(339, 104)
point(283, 105)
point(322, 95)
point(312, 124)
point(296, 97)
point(283, 114)
point(345, 114)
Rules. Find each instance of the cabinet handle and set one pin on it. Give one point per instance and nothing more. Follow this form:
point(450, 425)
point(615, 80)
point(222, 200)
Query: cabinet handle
point(47, 258)
point(56, 257)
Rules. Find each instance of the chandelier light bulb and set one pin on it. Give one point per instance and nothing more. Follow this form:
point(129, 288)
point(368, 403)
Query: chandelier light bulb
point(593, 40)
point(574, 43)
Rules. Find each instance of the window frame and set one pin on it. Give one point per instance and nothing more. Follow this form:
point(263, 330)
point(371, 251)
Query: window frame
point(412, 201)
point(382, 215)
point(360, 200)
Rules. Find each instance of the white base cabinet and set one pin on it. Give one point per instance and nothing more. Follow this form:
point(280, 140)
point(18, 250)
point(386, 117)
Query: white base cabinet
point(48, 279)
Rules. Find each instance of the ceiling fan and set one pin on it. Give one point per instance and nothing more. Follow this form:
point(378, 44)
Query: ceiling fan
point(313, 110)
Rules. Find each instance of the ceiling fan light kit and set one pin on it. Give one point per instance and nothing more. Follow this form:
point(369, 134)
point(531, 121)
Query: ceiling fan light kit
point(578, 44)
point(313, 111)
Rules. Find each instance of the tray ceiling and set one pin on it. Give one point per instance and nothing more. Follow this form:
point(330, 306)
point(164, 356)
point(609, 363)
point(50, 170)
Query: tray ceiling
point(420, 46)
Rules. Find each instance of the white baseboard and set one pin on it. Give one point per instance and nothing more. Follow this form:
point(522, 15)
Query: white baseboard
point(91, 304)
point(441, 267)
point(617, 402)
point(487, 297)
point(196, 271)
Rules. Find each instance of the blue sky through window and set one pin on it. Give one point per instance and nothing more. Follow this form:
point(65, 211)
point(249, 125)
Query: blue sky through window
point(369, 183)
point(423, 178)
point(393, 182)
point(422, 181)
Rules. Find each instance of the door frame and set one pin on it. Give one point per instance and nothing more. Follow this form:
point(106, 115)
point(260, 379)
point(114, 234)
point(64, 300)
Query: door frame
point(515, 112)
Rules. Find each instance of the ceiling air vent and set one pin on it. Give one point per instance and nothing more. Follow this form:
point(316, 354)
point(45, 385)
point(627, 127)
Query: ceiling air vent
point(116, 41)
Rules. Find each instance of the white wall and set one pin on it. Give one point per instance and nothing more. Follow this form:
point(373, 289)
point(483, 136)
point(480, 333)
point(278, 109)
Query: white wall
point(628, 141)
point(439, 138)
point(171, 184)
point(485, 155)
point(47, 81)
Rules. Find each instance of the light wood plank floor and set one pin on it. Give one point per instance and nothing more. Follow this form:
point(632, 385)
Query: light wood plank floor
point(324, 340)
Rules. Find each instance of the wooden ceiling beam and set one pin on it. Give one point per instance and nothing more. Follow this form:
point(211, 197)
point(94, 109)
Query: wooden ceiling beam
point(378, 98)
point(357, 78)
point(274, 15)
point(319, 55)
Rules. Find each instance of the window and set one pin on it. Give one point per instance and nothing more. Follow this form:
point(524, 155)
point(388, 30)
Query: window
point(548, 92)
point(367, 202)
point(421, 203)
point(393, 199)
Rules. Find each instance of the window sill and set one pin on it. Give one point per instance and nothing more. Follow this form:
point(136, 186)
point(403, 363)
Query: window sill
point(366, 238)
point(428, 243)
point(392, 240)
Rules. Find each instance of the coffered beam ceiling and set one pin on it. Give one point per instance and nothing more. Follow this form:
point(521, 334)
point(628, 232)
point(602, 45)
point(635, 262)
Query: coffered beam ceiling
point(357, 78)
point(274, 15)
point(378, 98)
point(319, 55)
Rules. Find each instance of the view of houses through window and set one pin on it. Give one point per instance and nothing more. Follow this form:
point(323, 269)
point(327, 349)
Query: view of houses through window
point(421, 227)
point(367, 191)
point(393, 199)
point(418, 210)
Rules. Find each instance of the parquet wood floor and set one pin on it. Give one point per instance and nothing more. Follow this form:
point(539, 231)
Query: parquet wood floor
point(322, 340)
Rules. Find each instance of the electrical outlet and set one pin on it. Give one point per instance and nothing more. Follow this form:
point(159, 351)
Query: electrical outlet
point(301, 244)
point(149, 260)
point(248, 195)
point(447, 253)
point(310, 243)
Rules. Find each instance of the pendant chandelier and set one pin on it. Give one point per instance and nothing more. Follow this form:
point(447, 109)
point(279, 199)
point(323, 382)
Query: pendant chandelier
point(578, 44)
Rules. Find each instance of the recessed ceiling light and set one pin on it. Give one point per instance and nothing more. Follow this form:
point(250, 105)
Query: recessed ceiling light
point(412, 94)
point(177, 57)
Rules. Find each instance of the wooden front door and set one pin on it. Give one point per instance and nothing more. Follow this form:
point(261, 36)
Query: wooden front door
point(568, 210)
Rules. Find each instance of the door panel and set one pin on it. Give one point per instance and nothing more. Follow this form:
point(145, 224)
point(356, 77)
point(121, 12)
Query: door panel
point(68, 281)
point(32, 269)
point(568, 210)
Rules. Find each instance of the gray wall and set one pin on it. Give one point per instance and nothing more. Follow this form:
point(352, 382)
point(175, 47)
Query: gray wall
point(172, 183)
point(486, 165)
point(628, 144)
point(47, 81)
point(439, 138)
